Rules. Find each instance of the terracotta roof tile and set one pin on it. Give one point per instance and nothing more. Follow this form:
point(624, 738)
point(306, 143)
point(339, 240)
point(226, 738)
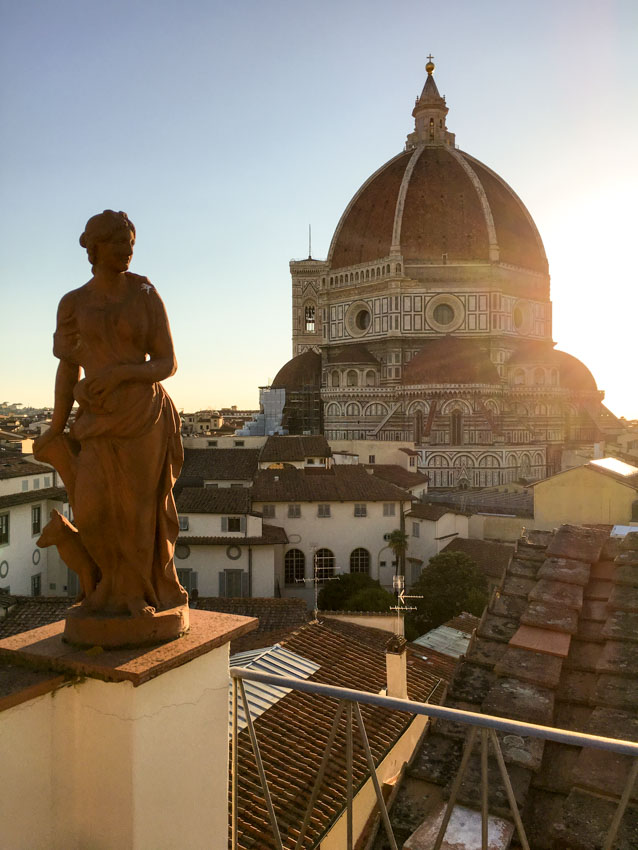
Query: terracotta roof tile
point(217, 465)
point(397, 475)
point(20, 468)
point(492, 558)
point(213, 500)
point(271, 534)
point(293, 733)
point(57, 494)
point(294, 448)
point(339, 484)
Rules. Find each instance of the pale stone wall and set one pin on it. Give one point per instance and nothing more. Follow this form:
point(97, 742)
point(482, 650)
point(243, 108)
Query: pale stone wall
point(503, 529)
point(582, 495)
point(101, 765)
point(386, 622)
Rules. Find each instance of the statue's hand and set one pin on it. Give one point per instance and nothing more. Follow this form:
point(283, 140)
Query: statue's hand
point(101, 386)
point(44, 439)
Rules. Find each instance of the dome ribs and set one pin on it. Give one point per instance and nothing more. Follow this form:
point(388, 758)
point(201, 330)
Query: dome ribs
point(364, 233)
point(442, 218)
point(518, 239)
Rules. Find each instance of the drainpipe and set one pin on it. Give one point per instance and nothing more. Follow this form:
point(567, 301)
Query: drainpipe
point(401, 565)
point(250, 572)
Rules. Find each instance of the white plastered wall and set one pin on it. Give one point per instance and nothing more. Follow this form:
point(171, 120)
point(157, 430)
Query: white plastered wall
point(102, 765)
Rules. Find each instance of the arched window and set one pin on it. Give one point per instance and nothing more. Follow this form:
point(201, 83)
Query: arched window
point(370, 378)
point(353, 409)
point(294, 566)
point(325, 561)
point(334, 380)
point(352, 379)
point(398, 268)
point(519, 378)
point(387, 269)
point(360, 561)
point(456, 428)
point(356, 277)
point(351, 277)
point(376, 409)
point(367, 274)
point(539, 376)
point(554, 377)
point(418, 426)
point(333, 410)
point(431, 129)
point(309, 318)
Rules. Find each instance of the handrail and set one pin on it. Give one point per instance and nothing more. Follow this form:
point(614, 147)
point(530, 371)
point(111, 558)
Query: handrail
point(501, 724)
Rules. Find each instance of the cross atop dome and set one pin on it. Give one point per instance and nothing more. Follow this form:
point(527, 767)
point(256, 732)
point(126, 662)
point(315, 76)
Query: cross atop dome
point(429, 113)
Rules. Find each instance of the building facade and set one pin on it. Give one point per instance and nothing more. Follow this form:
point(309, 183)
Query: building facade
point(430, 322)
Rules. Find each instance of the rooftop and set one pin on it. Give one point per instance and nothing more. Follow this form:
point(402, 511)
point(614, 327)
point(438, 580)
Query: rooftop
point(294, 448)
point(213, 500)
point(339, 484)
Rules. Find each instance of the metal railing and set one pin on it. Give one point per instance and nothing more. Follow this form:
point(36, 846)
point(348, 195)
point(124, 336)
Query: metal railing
point(350, 700)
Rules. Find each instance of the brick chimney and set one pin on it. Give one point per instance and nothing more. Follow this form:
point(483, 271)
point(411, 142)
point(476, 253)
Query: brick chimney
point(396, 667)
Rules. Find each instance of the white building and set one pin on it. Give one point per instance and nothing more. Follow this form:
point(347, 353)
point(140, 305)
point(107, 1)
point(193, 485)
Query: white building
point(223, 547)
point(28, 493)
point(338, 518)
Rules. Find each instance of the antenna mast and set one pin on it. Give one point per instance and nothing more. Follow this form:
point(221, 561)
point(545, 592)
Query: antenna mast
point(309, 242)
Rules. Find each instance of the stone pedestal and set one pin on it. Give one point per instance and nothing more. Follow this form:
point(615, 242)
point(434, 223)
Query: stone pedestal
point(134, 753)
point(88, 630)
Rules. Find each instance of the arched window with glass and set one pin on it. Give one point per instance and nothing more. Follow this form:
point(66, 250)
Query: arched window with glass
point(294, 566)
point(309, 317)
point(360, 561)
point(456, 428)
point(325, 563)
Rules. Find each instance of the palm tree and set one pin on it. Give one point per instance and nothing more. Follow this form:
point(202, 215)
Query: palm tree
point(398, 542)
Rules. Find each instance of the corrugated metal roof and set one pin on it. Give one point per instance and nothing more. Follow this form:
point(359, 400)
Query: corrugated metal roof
point(272, 659)
point(449, 641)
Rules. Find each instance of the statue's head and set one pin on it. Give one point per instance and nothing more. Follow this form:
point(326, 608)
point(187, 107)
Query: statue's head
point(107, 226)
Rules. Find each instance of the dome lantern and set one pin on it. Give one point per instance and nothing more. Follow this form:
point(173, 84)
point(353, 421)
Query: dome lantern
point(429, 114)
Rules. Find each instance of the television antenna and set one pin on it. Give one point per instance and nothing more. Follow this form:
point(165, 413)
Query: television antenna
point(398, 586)
point(315, 581)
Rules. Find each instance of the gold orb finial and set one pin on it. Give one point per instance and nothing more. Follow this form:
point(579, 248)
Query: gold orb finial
point(430, 66)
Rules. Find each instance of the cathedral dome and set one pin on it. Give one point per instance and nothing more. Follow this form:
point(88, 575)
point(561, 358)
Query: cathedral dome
point(434, 203)
point(451, 360)
point(573, 374)
point(304, 370)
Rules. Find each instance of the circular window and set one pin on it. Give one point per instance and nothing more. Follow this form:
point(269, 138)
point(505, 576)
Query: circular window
point(362, 320)
point(233, 552)
point(4, 569)
point(36, 557)
point(522, 317)
point(182, 551)
point(443, 314)
point(358, 318)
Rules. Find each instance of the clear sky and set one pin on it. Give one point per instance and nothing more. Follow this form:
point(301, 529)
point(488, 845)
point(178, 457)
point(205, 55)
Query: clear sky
point(224, 128)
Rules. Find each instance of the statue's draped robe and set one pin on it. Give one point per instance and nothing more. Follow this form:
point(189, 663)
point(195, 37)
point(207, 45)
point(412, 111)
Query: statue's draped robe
point(130, 451)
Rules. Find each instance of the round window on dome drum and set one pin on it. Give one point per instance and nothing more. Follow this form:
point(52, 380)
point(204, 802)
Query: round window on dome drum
point(444, 314)
point(518, 317)
point(362, 320)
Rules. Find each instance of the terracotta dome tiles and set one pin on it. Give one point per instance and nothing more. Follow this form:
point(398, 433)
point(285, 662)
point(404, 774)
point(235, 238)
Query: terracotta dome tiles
point(452, 206)
point(365, 232)
point(304, 370)
point(442, 212)
point(451, 360)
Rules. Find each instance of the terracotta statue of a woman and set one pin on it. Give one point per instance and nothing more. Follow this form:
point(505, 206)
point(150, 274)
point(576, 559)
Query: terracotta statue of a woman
point(123, 452)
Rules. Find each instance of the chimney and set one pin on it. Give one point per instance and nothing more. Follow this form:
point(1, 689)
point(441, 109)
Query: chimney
point(396, 667)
